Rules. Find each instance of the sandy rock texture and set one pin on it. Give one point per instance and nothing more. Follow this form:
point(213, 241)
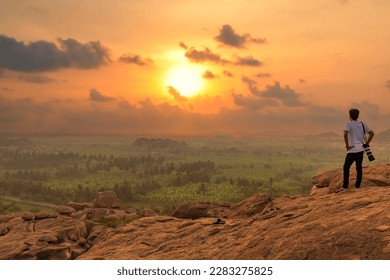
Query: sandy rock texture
point(325, 224)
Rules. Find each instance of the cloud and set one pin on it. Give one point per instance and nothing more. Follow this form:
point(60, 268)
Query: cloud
point(263, 75)
point(253, 117)
point(209, 75)
point(176, 94)
point(367, 109)
point(227, 36)
point(248, 61)
point(97, 96)
point(343, 1)
point(183, 45)
point(302, 81)
point(286, 95)
point(46, 56)
point(387, 84)
point(228, 73)
point(136, 59)
point(205, 55)
point(253, 103)
point(23, 115)
point(252, 85)
point(36, 79)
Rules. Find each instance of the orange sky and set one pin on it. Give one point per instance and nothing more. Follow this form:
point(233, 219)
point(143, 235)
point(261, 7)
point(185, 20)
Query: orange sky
point(193, 67)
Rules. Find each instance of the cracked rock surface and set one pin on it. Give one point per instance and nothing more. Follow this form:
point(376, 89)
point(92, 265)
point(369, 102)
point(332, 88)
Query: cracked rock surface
point(326, 224)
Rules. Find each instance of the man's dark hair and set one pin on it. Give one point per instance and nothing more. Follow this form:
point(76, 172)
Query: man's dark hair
point(354, 114)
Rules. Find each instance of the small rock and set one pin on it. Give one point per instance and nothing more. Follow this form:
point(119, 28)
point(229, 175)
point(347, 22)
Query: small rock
point(130, 210)
point(48, 238)
point(65, 210)
point(4, 231)
point(148, 213)
point(193, 210)
point(77, 206)
point(82, 242)
point(42, 215)
point(28, 216)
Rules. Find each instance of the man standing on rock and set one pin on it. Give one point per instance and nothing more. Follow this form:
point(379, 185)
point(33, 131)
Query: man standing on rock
point(354, 133)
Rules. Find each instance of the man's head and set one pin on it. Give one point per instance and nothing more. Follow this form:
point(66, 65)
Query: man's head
point(354, 114)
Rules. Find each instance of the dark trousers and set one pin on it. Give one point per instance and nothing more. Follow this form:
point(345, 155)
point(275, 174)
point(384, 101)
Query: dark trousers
point(349, 160)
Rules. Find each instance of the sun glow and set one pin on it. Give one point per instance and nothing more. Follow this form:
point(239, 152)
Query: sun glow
point(186, 80)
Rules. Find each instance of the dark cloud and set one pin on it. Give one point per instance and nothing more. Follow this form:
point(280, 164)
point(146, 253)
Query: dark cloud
point(136, 59)
point(263, 75)
point(36, 79)
point(205, 55)
point(302, 81)
point(343, 1)
point(6, 89)
point(176, 94)
point(209, 75)
point(228, 73)
point(252, 85)
point(2, 73)
point(248, 61)
point(387, 84)
point(45, 56)
point(286, 95)
point(97, 96)
point(227, 36)
point(183, 45)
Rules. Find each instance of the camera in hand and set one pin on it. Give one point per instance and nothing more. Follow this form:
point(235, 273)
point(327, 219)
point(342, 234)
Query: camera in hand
point(368, 152)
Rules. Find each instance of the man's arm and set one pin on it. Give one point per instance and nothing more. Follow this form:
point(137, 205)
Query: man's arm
point(346, 141)
point(370, 136)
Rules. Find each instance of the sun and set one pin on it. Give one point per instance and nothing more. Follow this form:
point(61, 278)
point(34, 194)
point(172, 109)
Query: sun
point(187, 80)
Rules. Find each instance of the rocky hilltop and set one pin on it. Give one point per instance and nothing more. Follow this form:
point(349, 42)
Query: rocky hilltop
point(327, 224)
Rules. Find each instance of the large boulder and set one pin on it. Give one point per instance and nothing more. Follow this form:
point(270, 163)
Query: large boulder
point(323, 178)
point(374, 175)
point(250, 206)
point(106, 199)
point(348, 225)
point(36, 237)
point(193, 210)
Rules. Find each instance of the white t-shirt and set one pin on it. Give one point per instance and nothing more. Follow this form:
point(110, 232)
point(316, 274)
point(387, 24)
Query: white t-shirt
point(356, 135)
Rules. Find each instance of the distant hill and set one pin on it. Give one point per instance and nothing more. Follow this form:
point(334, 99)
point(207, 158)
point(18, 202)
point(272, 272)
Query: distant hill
point(325, 135)
point(18, 144)
point(159, 144)
point(383, 136)
point(329, 134)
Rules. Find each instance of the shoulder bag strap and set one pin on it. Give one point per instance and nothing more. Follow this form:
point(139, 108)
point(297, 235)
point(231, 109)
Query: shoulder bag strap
point(364, 133)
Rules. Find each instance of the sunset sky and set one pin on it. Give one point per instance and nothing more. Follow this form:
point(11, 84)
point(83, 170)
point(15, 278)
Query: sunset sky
point(193, 67)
